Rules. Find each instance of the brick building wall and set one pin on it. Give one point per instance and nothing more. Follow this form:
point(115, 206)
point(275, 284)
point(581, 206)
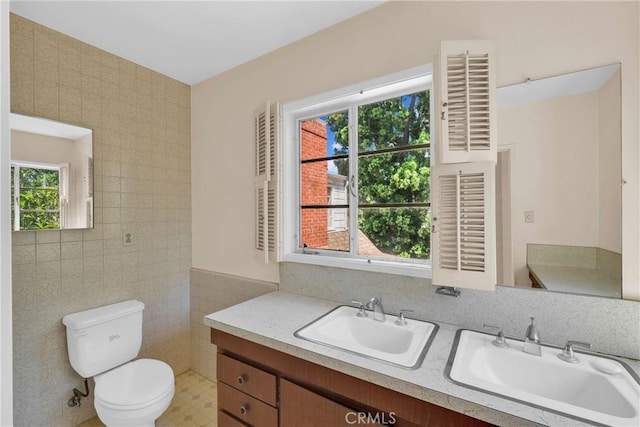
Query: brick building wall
point(314, 184)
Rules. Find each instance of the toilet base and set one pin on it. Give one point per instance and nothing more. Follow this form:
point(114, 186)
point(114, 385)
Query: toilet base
point(153, 424)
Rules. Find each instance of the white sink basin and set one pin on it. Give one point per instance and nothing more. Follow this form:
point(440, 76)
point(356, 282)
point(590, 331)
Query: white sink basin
point(598, 389)
point(403, 346)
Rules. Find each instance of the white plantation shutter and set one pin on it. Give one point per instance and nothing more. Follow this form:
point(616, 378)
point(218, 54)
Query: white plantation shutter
point(266, 137)
point(63, 193)
point(273, 182)
point(465, 100)
point(88, 176)
point(463, 225)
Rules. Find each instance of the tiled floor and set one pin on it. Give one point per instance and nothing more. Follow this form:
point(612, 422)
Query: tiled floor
point(193, 405)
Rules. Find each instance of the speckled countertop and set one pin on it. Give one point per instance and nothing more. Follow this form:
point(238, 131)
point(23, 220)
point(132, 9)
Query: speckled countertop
point(576, 280)
point(272, 319)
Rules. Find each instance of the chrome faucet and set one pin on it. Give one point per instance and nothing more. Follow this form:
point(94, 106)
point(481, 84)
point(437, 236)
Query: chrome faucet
point(375, 305)
point(532, 340)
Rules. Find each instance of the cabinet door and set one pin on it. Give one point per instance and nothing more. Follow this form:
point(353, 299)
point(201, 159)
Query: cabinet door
point(302, 407)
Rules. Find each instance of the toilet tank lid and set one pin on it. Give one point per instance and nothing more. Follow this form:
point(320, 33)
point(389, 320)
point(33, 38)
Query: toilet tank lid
point(95, 316)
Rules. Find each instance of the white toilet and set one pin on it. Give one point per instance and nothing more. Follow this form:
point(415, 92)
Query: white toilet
point(101, 343)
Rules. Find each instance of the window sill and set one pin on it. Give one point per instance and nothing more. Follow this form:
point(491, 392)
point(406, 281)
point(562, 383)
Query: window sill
point(376, 266)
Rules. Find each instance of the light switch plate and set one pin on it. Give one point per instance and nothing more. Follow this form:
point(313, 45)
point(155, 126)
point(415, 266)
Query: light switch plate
point(528, 217)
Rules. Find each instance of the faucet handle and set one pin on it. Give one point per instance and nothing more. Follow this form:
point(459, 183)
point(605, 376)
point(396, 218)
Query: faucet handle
point(567, 353)
point(401, 321)
point(499, 341)
point(362, 312)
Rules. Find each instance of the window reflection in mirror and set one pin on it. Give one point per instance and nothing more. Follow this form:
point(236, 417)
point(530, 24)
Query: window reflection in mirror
point(559, 198)
point(51, 175)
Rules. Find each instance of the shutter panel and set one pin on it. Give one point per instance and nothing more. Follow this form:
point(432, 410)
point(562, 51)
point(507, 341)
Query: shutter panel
point(88, 176)
point(63, 193)
point(274, 182)
point(266, 140)
point(466, 102)
point(463, 225)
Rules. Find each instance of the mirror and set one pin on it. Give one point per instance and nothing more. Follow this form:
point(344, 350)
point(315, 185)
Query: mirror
point(51, 175)
point(558, 183)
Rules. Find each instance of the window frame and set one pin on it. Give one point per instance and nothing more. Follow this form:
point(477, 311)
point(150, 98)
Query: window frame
point(344, 99)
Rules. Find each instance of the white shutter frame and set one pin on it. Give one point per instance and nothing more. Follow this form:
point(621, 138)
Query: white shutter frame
point(463, 225)
point(466, 102)
point(266, 182)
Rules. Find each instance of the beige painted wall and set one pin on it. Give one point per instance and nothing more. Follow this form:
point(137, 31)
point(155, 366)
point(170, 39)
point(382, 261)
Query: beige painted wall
point(610, 156)
point(533, 40)
point(141, 124)
point(554, 155)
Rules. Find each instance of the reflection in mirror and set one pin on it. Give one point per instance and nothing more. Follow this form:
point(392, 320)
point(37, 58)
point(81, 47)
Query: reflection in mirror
point(51, 175)
point(558, 183)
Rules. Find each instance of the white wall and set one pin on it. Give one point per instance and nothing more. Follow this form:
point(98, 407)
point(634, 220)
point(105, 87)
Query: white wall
point(610, 156)
point(6, 346)
point(555, 173)
point(533, 40)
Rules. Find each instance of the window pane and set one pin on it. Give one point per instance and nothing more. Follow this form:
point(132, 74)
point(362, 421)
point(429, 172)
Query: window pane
point(322, 186)
point(401, 177)
point(321, 183)
point(395, 232)
point(325, 228)
point(39, 220)
point(325, 136)
point(394, 122)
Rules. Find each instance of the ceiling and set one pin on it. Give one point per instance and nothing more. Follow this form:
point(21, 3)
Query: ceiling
point(189, 41)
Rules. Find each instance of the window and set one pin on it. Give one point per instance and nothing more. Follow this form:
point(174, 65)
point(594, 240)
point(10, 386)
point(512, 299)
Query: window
point(35, 196)
point(358, 173)
point(357, 164)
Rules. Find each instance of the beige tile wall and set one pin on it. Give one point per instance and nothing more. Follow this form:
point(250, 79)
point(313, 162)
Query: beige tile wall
point(141, 143)
point(212, 292)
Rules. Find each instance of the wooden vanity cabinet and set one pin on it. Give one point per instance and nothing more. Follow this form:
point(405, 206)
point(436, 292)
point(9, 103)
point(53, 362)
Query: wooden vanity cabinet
point(260, 386)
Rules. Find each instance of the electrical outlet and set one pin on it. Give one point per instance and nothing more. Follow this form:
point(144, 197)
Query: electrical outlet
point(528, 217)
point(127, 238)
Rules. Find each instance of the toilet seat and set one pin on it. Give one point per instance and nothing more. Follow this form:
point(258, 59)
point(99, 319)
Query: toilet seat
point(134, 385)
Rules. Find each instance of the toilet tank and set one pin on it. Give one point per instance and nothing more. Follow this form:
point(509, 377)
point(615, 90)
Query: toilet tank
point(105, 337)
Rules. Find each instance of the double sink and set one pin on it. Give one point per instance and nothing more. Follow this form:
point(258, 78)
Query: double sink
point(596, 389)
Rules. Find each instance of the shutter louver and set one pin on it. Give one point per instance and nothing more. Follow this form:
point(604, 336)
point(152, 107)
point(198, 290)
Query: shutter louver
point(463, 234)
point(266, 137)
point(466, 102)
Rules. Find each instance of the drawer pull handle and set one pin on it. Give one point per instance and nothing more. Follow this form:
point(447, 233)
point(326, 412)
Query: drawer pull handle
point(241, 379)
point(244, 410)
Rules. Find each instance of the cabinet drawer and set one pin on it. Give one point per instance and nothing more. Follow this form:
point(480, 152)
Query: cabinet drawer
point(246, 408)
point(253, 381)
point(226, 420)
point(302, 407)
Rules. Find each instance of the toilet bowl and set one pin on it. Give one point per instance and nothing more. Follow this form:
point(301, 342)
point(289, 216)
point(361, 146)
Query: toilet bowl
point(134, 394)
point(102, 343)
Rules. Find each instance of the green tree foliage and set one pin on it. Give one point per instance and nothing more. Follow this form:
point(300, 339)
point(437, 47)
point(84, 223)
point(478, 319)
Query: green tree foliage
point(39, 198)
point(389, 178)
